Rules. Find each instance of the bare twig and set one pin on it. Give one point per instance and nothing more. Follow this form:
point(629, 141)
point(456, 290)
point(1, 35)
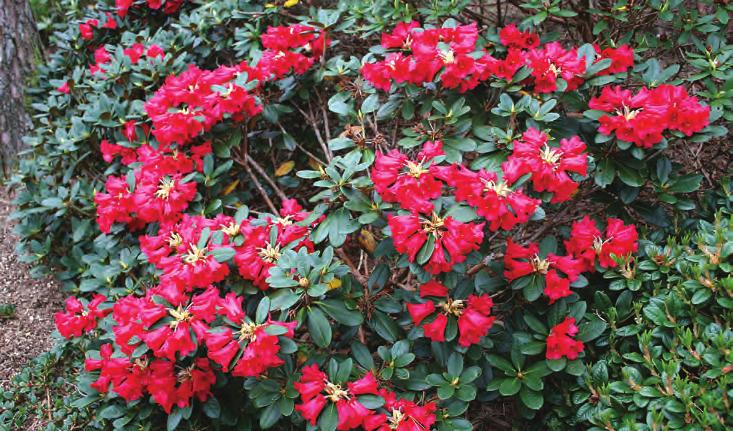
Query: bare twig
point(267, 178)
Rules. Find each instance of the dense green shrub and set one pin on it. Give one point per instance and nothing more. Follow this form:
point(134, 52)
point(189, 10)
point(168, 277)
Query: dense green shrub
point(351, 289)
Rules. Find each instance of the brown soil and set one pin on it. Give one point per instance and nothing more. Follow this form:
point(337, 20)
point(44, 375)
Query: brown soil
point(28, 332)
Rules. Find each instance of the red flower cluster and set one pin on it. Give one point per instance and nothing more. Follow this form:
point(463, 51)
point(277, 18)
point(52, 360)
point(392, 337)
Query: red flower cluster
point(137, 50)
point(642, 118)
point(550, 166)
point(622, 59)
point(511, 37)
point(194, 101)
point(316, 391)
point(258, 348)
point(86, 28)
point(451, 240)
point(259, 252)
point(450, 51)
point(78, 318)
point(169, 6)
point(472, 314)
point(101, 57)
point(493, 198)
point(168, 384)
point(560, 342)
point(551, 62)
point(419, 55)
point(557, 271)
point(412, 184)
point(586, 242)
point(401, 415)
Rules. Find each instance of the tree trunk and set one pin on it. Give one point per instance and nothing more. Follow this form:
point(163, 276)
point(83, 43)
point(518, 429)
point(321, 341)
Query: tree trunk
point(18, 39)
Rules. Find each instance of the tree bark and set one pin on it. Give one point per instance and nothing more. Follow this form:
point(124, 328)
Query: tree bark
point(18, 39)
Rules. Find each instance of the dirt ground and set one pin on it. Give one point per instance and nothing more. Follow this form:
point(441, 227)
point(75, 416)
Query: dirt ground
point(28, 332)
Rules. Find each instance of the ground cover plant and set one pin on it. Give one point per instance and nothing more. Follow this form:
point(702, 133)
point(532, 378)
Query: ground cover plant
point(383, 215)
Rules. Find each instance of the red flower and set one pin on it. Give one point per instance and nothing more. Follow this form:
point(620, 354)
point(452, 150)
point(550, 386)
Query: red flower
point(549, 166)
point(114, 206)
point(127, 379)
point(78, 318)
point(87, 28)
point(410, 233)
point(155, 51)
point(511, 37)
point(552, 61)
point(316, 391)
point(169, 388)
point(135, 52)
point(523, 261)
point(110, 23)
point(410, 183)
point(473, 314)
point(493, 198)
point(641, 118)
point(622, 59)
point(401, 36)
point(259, 349)
point(160, 196)
point(64, 88)
point(110, 151)
point(402, 415)
point(560, 342)
point(586, 242)
point(123, 6)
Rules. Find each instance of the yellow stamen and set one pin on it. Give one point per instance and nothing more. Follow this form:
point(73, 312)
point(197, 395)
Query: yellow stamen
point(270, 253)
point(165, 188)
point(194, 255)
point(453, 306)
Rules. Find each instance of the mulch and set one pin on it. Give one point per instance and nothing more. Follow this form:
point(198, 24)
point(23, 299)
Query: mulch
point(27, 333)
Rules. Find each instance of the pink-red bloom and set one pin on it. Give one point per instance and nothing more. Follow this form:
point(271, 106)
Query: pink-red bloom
point(316, 391)
point(558, 271)
point(550, 166)
point(473, 314)
point(622, 59)
point(451, 240)
point(560, 342)
point(588, 244)
point(78, 318)
point(511, 37)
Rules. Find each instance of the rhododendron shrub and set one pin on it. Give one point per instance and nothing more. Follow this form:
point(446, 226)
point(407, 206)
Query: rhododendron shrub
point(275, 228)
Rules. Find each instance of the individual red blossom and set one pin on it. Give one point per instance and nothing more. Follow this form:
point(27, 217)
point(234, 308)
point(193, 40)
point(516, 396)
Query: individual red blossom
point(64, 88)
point(453, 240)
point(78, 318)
point(560, 342)
point(642, 118)
point(135, 52)
point(125, 378)
point(549, 166)
point(400, 37)
point(401, 415)
point(551, 62)
point(259, 349)
point(492, 197)
point(472, 314)
point(622, 59)
point(115, 206)
point(110, 151)
point(587, 243)
point(110, 23)
point(259, 253)
point(86, 29)
point(285, 38)
point(155, 51)
point(122, 7)
point(558, 271)
point(159, 196)
point(128, 130)
point(684, 112)
point(412, 184)
point(170, 387)
point(511, 37)
point(101, 57)
point(316, 391)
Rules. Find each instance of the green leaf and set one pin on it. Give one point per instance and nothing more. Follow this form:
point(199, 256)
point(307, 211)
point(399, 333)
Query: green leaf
point(531, 399)
point(319, 327)
point(222, 254)
point(329, 418)
point(509, 386)
point(338, 311)
point(212, 408)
